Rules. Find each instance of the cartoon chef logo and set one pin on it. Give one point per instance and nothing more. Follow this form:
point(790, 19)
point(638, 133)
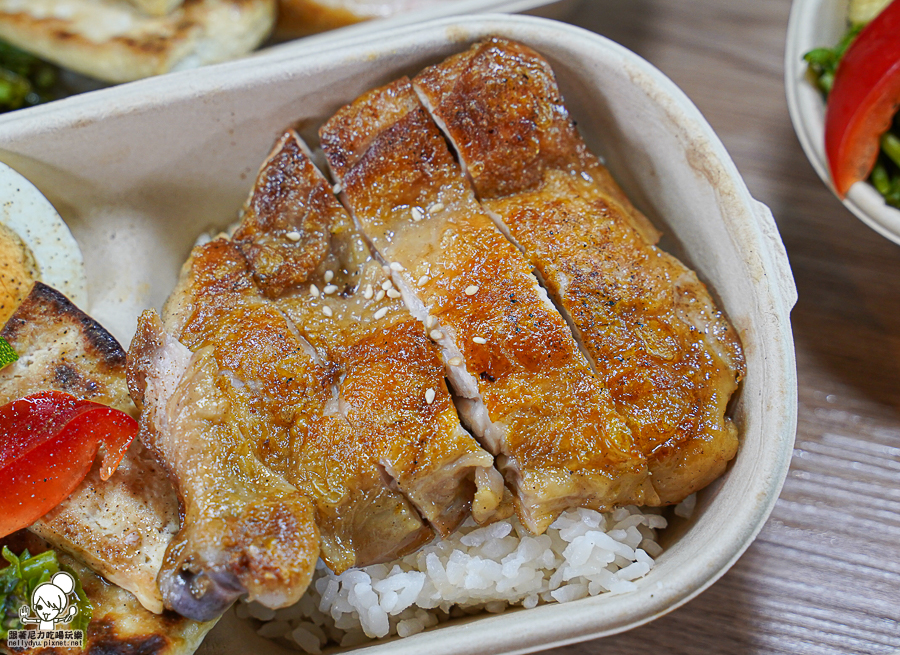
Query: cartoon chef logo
point(50, 603)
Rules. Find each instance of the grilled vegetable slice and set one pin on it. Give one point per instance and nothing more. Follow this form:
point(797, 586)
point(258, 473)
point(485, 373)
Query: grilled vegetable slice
point(48, 442)
point(863, 100)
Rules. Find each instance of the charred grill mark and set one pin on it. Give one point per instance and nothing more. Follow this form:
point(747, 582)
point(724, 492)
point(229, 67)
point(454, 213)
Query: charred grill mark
point(66, 376)
point(500, 107)
point(103, 639)
point(45, 305)
point(286, 230)
point(480, 288)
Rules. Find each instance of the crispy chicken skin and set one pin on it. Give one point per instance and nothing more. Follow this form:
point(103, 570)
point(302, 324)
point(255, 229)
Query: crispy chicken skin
point(331, 403)
point(386, 364)
point(119, 527)
point(244, 529)
point(522, 384)
point(669, 357)
point(284, 200)
point(287, 392)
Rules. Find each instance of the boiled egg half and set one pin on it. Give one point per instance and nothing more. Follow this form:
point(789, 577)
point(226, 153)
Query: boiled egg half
point(35, 245)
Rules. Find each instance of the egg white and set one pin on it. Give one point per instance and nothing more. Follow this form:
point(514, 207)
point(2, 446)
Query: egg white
point(25, 211)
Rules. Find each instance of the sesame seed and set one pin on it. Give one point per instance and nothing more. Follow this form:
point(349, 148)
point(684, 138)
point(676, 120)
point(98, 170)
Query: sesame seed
point(429, 396)
point(454, 361)
point(327, 311)
point(293, 235)
point(436, 207)
point(437, 335)
point(380, 294)
point(313, 290)
point(337, 188)
point(329, 276)
point(479, 340)
point(430, 322)
point(329, 289)
point(387, 284)
point(471, 290)
point(386, 269)
point(368, 293)
point(423, 280)
point(396, 266)
point(381, 312)
point(393, 293)
point(417, 214)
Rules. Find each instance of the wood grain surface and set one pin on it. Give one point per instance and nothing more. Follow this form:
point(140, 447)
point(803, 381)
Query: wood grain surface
point(824, 574)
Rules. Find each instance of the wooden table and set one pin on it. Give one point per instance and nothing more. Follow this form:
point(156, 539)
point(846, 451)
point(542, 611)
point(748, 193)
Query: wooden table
point(824, 574)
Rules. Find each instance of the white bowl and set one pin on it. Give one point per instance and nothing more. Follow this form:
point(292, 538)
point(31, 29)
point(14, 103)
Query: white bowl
point(814, 24)
point(138, 171)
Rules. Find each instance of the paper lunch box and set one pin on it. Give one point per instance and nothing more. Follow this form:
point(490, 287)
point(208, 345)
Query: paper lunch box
point(140, 170)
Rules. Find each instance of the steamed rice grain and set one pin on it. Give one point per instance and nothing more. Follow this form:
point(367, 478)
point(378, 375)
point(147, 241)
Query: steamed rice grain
point(583, 553)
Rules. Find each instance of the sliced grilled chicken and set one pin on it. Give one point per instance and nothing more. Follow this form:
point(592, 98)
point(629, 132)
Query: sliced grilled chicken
point(119, 527)
point(288, 393)
point(522, 384)
point(336, 400)
point(391, 385)
point(669, 357)
point(244, 528)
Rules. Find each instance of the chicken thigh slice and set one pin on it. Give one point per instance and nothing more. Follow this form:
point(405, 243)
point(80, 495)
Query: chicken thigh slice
point(391, 385)
point(668, 355)
point(244, 529)
point(522, 385)
point(288, 392)
point(335, 403)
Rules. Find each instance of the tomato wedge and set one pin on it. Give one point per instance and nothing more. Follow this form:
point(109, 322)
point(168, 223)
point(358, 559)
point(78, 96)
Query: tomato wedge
point(48, 442)
point(863, 100)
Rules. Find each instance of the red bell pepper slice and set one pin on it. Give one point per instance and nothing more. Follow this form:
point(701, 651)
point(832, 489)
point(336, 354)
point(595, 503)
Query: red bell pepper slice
point(48, 442)
point(863, 100)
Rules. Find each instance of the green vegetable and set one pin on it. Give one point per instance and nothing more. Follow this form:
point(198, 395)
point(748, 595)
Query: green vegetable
point(823, 62)
point(19, 580)
point(25, 80)
point(7, 354)
point(888, 182)
point(890, 146)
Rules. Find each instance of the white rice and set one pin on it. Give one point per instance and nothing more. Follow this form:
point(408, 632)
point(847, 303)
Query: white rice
point(584, 553)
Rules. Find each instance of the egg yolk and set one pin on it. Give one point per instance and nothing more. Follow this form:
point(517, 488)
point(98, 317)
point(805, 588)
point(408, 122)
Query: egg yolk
point(18, 272)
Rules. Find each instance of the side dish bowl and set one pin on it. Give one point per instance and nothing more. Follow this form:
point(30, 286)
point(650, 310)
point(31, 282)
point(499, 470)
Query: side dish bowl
point(139, 171)
point(814, 24)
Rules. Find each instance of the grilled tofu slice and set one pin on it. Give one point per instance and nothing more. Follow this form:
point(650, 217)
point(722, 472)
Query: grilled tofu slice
point(667, 354)
point(390, 383)
point(245, 529)
point(119, 624)
point(522, 384)
point(119, 527)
